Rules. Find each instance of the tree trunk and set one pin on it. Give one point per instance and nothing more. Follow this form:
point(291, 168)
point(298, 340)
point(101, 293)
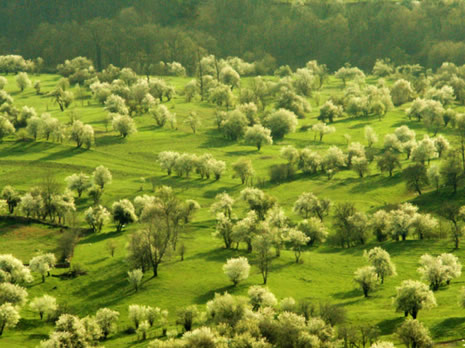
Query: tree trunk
point(457, 237)
point(155, 270)
point(462, 143)
point(249, 246)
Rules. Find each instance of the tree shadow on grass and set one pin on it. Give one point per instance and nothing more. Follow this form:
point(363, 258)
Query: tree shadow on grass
point(97, 261)
point(183, 183)
point(204, 298)
point(109, 290)
point(347, 294)
point(65, 153)
point(360, 125)
point(355, 250)
point(410, 123)
point(367, 120)
point(214, 141)
point(38, 337)
point(433, 201)
point(95, 238)
point(27, 324)
point(219, 255)
point(243, 153)
point(22, 148)
point(212, 193)
point(448, 327)
point(281, 266)
point(374, 182)
point(109, 140)
point(388, 326)
point(150, 128)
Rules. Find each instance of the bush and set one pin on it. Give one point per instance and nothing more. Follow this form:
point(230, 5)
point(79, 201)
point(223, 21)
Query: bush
point(332, 314)
point(281, 172)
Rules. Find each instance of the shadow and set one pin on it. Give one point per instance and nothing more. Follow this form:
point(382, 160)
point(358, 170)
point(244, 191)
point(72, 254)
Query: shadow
point(433, 201)
point(204, 298)
point(151, 128)
point(275, 267)
point(448, 327)
point(28, 324)
point(212, 193)
point(64, 154)
point(38, 337)
point(95, 238)
point(367, 120)
point(373, 182)
point(348, 294)
point(242, 153)
point(109, 140)
point(411, 124)
point(218, 255)
point(23, 149)
point(108, 290)
point(353, 302)
point(388, 326)
point(360, 125)
point(214, 140)
point(97, 261)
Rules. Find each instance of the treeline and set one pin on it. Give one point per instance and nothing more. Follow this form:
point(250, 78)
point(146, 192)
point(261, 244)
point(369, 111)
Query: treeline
point(427, 32)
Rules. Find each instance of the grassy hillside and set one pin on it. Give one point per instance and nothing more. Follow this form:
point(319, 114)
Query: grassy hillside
point(325, 275)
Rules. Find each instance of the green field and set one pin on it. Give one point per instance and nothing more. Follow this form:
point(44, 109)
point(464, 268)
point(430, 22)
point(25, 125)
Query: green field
point(325, 275)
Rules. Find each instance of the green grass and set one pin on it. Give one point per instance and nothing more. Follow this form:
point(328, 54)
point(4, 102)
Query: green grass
point(325, 275)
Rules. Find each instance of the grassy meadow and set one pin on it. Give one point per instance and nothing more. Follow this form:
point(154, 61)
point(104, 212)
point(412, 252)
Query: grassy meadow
point(325, 275)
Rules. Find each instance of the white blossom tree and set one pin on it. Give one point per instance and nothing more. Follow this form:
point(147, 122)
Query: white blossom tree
point(44, 305)
point(106, 319)
point(297, 240)
point(412, 296)
point(237, 269)
point(43, 264)
point(101, 176)
point(96, 217)
point(367, 278)
point(135, 278)
point(381, 261)
point(258, 136)
point(23, 81)
point(261, 297)
point(9, 317)
point(79, 182)
point(124, 125)
point(310, 205)
point(12, 270)
point(370, 136)
point(281, 122)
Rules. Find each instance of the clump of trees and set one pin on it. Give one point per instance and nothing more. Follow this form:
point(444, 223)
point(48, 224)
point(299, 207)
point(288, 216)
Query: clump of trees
point(183, 164)
point(439, 270)
point(413, 296)
point(163, 218)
